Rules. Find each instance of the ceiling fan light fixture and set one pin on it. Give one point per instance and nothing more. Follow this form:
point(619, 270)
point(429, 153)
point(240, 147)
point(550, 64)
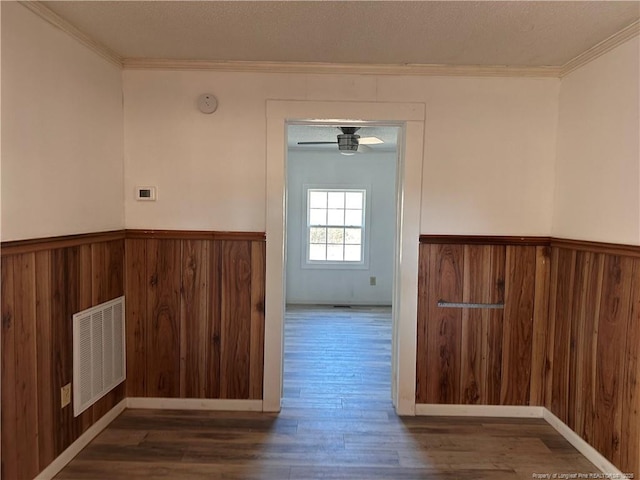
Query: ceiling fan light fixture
point(348, 143)
point(348, 152)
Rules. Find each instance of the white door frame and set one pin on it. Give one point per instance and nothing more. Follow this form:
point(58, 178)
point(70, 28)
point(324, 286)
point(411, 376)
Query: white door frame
point(411, 116)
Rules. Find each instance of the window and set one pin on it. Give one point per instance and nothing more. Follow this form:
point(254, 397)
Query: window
point(335, 226)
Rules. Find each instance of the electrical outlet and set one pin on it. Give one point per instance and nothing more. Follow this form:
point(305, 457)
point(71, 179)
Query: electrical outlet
point(65, 395)
point(372, 281)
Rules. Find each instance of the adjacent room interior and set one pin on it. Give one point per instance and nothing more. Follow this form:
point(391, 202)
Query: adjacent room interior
point(341, 232)
point(153, 186)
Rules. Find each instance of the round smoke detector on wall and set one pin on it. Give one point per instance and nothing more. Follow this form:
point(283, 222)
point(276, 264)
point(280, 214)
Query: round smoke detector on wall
point(207, 103)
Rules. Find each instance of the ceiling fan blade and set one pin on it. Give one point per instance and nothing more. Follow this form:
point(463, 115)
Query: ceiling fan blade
point(317, 143)
point(369, 141)
point(364, 149)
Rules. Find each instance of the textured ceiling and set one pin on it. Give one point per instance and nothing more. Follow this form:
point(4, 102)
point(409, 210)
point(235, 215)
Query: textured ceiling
point(517, 33)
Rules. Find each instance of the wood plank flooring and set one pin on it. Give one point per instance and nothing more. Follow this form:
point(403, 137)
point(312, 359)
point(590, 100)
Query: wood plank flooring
point(337, 422)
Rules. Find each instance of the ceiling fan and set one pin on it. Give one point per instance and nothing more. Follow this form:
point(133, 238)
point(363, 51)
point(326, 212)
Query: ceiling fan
point(348, 142)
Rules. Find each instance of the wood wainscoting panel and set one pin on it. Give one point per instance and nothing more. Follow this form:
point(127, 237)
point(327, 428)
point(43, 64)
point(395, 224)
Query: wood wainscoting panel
point(593, 374)
point(43, 285)
point(540, 353)
point(136, 316)
point(567, 339)
point(520, 269)
point(44, 346)
point(610, 355)
point(630, 446)
point(492, 333)
point(235, 340)
point(200, 333)
point(475, 289)
point(195, 317)
point(561, 291)
point(256, 349)
point(163, 314)
point(26, 439)
point(9, 418)
point(445, 326)
point(183, 340)
point(481, 355)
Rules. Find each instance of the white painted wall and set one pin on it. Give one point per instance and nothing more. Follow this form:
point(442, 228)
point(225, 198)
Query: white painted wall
point(598, 168)
point(331, 285)
point(488, 160)
point(62, 132)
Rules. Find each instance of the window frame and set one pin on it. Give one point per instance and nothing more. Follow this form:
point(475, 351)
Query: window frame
point(363, 264)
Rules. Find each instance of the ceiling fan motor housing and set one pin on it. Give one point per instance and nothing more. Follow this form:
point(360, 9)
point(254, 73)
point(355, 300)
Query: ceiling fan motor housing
point(348, 142)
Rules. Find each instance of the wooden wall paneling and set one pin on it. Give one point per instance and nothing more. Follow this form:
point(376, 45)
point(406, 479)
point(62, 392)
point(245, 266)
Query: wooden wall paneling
point(46, 393)
point(65, 285)
point(540, 326)
point(9, 419)
point(630, 447)
point(212, 379)
point(562, 285)
point(444, 324)
point(195, 325)
point(492, 326)
point(476, 289)
point(163, 310)
point(136, 317)
point(610, 355)
point(549, 366)
point(424, 259)
point(588, 358)
point(518, 325)
point(256, 349)
point(26, 391)
point(584, 328)
point(107, 262)
point(114, 260)
point(576, 328)
point(107, 283)
point(114, 288)
point(235, 319)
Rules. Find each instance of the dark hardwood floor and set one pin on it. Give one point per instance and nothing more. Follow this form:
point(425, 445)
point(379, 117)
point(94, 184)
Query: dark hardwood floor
point(337, 422)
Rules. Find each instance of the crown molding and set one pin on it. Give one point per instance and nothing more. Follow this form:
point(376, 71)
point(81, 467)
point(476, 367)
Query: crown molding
point(57, 21)
point(601, 48)
point(347, 68)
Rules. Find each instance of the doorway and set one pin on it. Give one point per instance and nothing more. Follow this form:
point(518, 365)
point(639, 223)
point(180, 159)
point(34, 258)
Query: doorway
point(341, 225)
point(410, 117)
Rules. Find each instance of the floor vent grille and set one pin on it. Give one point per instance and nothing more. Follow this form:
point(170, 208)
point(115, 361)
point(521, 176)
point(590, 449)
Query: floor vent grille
point(98, 353)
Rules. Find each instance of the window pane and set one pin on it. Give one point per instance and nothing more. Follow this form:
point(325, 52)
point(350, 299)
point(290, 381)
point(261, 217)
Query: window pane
point(336, 217)
point(354, 200)
point(353, 217)
point(334, 253)
point(336, 200)
point(353, 236)
point(352, 253)
point(317, 216)
point(317, 235)
point(335, 235)
point(317, 199)
point(317, 252)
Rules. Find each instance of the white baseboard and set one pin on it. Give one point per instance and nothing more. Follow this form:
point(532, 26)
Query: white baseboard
point(515, 411)
point(582, 446)
point(194, 404)
point(83, 440)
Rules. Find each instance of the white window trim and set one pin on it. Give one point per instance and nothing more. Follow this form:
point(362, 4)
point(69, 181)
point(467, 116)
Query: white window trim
point(329, 265)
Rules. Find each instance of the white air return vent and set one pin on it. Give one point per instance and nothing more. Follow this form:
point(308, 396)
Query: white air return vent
point(98, 353)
